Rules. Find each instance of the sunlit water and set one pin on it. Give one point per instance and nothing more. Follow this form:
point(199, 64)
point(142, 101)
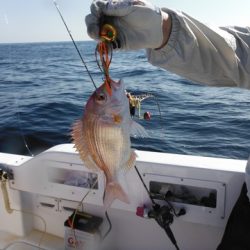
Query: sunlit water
point(44, 88)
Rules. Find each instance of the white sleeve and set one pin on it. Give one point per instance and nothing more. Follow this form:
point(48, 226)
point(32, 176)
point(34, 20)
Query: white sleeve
point(204, 54)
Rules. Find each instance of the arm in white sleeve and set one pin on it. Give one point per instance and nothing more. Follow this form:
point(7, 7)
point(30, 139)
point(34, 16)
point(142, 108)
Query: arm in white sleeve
point(212, 56)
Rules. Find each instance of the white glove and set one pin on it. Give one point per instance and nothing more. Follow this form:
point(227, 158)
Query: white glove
point(138, 22)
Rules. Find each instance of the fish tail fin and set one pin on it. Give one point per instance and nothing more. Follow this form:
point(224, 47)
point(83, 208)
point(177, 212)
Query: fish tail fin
point(114, 191)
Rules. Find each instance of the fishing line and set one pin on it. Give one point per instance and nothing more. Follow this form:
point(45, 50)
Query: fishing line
point(144, 185)
point(21, 242)
point(85, 65)
point(159, 109)
point(81, 202)
point(159, 220)
point(79, 205)
point(141, 98)
point(38, 216)
point(20, 128)
point(77, 208)
point(3, 182)
point(158, 106)
point(72, 39)
point(16, 100)
point(102, 66)
point(110, 226)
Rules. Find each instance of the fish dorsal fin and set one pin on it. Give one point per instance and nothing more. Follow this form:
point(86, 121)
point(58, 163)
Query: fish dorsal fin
point(81, 145)
point(137, 130)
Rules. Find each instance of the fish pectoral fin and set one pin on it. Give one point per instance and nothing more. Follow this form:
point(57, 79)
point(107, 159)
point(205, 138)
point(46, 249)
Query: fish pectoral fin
point(137, 130)
point(131, 161)
point(114, 191)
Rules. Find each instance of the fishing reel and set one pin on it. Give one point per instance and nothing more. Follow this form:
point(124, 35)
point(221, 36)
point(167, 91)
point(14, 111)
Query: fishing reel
point(163, 215)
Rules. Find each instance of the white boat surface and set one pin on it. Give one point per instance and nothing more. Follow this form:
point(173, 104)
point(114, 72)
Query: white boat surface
point(43, 193)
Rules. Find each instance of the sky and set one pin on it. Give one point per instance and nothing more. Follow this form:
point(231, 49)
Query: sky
point(38, 20)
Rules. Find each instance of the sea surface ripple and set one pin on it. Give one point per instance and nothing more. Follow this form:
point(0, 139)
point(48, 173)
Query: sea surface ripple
point(44, 88)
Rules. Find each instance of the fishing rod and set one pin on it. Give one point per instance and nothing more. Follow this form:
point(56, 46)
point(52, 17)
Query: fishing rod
point(72, 39)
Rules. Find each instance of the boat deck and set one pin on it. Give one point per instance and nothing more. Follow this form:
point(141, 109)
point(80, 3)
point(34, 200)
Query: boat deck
point(10, 241)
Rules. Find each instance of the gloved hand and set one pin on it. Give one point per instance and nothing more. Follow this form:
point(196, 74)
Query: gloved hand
point(138, 22)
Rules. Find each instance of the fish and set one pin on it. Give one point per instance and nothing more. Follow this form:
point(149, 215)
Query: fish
point(102, 137)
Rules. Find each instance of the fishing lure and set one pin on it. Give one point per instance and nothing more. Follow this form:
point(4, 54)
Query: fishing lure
point(105, 54)
point(108, 35)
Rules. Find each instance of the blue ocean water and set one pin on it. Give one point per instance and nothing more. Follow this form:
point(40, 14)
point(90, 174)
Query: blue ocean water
point(44, 88)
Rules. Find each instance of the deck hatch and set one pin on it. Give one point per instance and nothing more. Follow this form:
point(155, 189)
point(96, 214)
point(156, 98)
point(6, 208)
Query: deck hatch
point(74, 178)
point(198, 196)
point(203, 200)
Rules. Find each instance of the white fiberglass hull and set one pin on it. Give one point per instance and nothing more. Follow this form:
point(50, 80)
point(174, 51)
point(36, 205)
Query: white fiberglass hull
point(42, 190)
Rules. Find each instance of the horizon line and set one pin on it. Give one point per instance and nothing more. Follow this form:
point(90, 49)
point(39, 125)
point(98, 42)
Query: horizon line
point(32, 42)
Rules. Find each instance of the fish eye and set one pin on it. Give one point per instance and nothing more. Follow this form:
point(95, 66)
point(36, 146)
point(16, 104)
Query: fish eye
point(100, 97)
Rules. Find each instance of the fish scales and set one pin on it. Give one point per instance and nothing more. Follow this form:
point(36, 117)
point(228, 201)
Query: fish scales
point(102, 137)
point(107, 144)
